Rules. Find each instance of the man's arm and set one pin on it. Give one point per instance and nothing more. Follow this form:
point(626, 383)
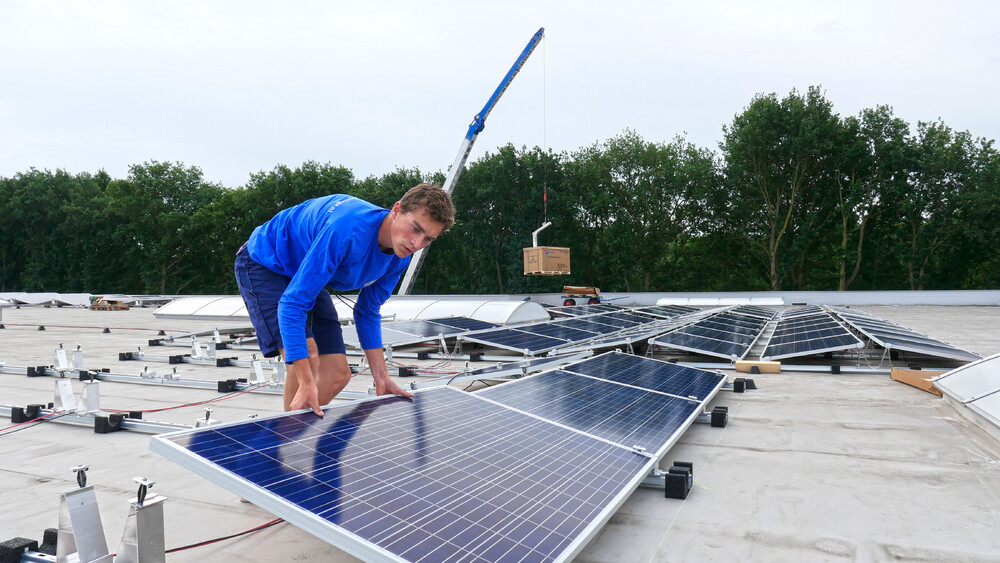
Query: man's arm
point(307, 394)
point(383, 384)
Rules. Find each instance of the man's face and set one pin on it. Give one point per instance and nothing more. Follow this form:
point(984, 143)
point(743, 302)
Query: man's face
point(412, 231)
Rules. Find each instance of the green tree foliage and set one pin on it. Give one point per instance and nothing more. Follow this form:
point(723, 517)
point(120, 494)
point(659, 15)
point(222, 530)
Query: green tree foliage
point(642, 202)
point(777, 163)
point(797, 198)
point(871, 166)
point(150, 215)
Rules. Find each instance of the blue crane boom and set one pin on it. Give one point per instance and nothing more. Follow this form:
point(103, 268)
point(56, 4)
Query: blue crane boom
point(477, 125)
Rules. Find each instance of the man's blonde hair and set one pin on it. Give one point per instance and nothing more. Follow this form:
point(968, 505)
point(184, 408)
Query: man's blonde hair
point(432, 199)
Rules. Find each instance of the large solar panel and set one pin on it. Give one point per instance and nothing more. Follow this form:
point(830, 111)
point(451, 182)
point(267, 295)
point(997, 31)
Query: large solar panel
point(667, 311)
point(621, 338)
point(622, 414)
point(516, 340)
point(894, 337)
point(579, 310)
point(801, 333)
point(446, 476)
point(398, 333)
point(590, 324)
point(646, 373)
point(570, 333)
point(627, 399)
point(764, 313)
point(725, 335)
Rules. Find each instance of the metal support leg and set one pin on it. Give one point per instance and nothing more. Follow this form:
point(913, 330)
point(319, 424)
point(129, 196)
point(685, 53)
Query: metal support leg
point(81, 533)
point(142, 538)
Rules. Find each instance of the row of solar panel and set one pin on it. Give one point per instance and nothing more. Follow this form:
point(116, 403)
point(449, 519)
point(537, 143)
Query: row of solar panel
point(728, 335)
point(808, 330)
point(800, 331)
point(894, 337)
point(525, 471)
point(564, 333)
point(398, 333)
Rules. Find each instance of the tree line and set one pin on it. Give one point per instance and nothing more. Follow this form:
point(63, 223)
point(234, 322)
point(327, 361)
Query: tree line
point(797, 198)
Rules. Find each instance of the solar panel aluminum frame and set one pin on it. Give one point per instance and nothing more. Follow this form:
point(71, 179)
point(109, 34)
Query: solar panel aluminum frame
point(348, 541)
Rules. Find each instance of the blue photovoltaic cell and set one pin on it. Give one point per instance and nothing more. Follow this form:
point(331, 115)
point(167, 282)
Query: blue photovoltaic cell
point(650, 374)
point(422, 328)
point(724, 334)
point(806, 331)
point(667, 311)
point(589, 324)
point(608, 320)
point(577, 310)
point(463, 323)
point(754, 311)
point(515, 339)
point(558, 331)
point(701, 344)
point(619, 413)
point(446, 476)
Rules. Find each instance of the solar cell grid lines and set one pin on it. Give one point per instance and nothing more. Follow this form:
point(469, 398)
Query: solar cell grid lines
point(516, 340)
point(580, 310)
point(645, 373)
point(559, 331)
point(441, 477)
point(622, 338)
point(623, 414)
point(764, 313)
point(667, 311)
point(397, 333)
point(566, 333)
point(803, 333)
point(724, 335)
point(590, 324)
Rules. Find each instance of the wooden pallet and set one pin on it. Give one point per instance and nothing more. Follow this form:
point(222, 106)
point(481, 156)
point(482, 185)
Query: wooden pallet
point(581, 291)
point(547, 273)
point(109, 307)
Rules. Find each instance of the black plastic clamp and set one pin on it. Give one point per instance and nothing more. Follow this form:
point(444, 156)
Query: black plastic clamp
point(720, 417)
point(12, 549)
point(108, 424)
point(739, 385)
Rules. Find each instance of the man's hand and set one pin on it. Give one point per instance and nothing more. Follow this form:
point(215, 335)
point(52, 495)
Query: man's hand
point(389, 387)
point(307, 397)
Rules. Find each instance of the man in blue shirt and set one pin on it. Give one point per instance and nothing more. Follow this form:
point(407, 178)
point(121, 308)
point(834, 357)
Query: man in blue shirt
point(344, 243)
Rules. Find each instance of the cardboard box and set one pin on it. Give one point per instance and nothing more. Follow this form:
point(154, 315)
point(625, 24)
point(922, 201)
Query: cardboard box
point(764, 367)
point(919, 378)
point(548, 260)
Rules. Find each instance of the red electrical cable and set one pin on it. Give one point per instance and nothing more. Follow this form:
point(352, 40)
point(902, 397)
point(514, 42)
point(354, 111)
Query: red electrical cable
point(243, 533)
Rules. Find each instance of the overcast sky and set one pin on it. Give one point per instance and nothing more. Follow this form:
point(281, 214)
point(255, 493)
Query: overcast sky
point(239, 87)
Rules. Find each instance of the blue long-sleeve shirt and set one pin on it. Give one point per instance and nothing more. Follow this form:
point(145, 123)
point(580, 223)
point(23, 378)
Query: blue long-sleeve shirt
point(328, 241)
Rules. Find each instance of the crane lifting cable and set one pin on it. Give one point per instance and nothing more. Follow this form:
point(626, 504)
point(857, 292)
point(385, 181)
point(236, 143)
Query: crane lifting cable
point(477, 125)
point(545, 260)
